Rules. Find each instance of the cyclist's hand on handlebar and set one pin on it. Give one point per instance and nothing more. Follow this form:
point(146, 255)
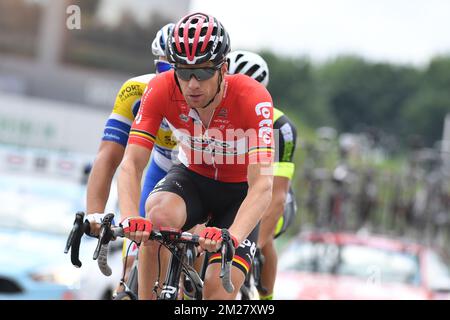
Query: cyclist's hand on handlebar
point(211, 239)
point(94, 220)
point(137, 229)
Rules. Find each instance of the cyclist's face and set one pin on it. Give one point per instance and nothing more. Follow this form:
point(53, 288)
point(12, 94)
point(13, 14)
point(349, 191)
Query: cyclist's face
point(196, 91)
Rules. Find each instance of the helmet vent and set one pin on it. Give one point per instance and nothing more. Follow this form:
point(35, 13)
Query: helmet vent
point(261, 77)
point(198, 38)
point(240, 67)
point(191, 33)
point(252, 70)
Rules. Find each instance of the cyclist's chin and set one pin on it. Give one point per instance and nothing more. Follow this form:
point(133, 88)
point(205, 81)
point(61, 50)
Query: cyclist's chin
point(196, 102)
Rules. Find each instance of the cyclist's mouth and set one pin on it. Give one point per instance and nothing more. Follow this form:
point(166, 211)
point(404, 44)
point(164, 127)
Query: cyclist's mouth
point(195, 97)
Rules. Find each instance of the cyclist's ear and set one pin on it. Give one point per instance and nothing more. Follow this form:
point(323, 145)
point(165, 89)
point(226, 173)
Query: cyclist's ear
point(224, 68)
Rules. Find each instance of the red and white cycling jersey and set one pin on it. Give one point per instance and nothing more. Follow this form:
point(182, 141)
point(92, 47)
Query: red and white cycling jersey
point(239, 133)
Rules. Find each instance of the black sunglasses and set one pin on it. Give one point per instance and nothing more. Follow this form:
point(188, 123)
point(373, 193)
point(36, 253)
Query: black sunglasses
point(200, 74)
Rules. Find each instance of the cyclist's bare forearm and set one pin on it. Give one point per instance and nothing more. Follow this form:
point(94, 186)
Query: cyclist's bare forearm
point(274, 211)
point(255, 203)
point(99, 184)
point(129, 183)
point(269, 221)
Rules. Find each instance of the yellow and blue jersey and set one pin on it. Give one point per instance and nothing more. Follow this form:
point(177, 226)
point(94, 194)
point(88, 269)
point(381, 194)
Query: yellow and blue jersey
point(126, 106)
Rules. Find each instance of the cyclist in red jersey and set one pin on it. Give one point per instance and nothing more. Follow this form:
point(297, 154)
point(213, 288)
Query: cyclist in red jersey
point(224, 126)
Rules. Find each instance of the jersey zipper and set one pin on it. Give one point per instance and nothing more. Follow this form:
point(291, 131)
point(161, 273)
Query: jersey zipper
point(216, 172)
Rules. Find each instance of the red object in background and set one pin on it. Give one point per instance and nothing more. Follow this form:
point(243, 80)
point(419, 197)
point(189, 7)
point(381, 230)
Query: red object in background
point(15, 159)
point(66, 165)
point(346, 266)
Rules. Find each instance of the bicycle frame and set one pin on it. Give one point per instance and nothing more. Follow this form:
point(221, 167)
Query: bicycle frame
point(255, 273)
point(193, 280)
point(171, 284)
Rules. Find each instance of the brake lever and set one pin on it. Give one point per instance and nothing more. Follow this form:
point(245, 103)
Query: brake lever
point(227, 251)
point(105, 234)
point(74, 239)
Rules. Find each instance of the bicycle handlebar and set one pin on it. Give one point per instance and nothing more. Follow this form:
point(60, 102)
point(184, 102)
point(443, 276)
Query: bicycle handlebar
point(109, 232)
point(164, 235)
point(74, 239)
point(173, 236)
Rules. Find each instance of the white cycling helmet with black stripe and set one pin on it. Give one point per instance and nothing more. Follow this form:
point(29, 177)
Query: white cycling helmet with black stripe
point(159, 43)
point(250, 64)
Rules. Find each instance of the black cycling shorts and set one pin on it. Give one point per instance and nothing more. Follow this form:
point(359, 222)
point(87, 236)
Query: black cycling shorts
point(211, 201)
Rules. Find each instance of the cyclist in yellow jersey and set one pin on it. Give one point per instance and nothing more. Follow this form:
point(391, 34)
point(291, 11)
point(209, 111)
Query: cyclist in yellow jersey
point(282, 209)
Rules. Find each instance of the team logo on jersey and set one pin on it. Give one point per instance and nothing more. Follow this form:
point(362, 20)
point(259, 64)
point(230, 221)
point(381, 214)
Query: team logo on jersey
point(223, 113)
point(265, 125)
point(184, 117)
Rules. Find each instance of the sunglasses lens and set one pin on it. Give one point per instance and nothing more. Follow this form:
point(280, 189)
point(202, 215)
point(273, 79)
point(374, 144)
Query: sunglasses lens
point(183, 74)
point(200, 74)
point(162, 66)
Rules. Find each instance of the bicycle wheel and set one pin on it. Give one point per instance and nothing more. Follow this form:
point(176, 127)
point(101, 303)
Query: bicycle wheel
point(245, 293)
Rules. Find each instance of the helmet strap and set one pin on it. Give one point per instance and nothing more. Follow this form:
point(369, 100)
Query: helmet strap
point(176, 81)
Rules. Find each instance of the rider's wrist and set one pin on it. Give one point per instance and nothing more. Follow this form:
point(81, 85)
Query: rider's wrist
point(235, 241)
point(97, 218)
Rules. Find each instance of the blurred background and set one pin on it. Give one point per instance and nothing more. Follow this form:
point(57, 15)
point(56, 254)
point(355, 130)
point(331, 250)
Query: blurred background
point(367, 84)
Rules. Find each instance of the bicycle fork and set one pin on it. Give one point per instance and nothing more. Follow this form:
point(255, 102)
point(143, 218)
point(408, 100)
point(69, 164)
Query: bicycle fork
point(171, 284)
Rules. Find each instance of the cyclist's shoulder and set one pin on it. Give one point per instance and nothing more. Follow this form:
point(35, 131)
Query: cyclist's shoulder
point(163, 79)
point(281, 118)
point(142, 79)
point(277, 114)
point(136, 84)
point(132, 88)
point(243, 82)
point(246, 92)
point(161, 84)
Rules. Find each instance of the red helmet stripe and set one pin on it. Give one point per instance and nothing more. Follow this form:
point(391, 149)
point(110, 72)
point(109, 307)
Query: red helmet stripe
point(177, 38)
point(208, 33)
point(189, 55)
point(197, 34)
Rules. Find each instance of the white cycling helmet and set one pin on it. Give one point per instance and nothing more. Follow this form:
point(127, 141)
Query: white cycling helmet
point(159, 43)
point(250, 64)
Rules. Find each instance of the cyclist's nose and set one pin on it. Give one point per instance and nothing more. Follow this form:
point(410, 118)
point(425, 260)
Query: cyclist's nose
point(193, 83)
